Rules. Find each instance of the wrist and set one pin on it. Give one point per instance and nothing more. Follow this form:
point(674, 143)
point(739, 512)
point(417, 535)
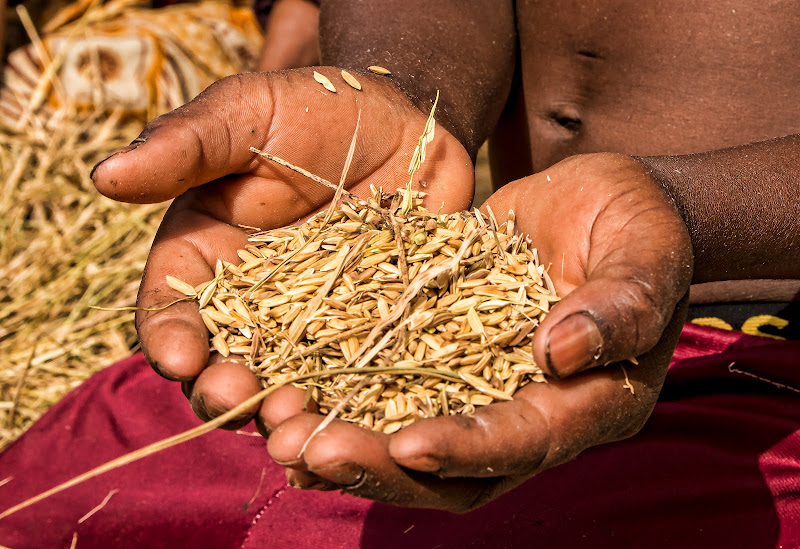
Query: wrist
point(740, 205)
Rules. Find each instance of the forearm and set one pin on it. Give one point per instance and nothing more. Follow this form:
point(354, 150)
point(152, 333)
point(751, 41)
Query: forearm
point(465, 50)
point(290, 36)
point(2, 33)
point(742, 208)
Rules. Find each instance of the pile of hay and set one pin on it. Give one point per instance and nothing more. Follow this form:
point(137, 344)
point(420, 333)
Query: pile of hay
point(65, 249)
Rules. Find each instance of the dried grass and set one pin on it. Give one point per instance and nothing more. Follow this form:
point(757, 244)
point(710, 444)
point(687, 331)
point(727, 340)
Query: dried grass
point(63, 249)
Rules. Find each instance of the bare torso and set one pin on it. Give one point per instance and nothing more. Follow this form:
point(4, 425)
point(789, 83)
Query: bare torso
point(651, 78)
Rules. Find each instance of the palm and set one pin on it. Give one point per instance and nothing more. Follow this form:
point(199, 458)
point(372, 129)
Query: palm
point(201, 154)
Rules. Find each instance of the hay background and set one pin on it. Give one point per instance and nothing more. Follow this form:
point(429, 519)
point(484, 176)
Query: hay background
point(65, 249)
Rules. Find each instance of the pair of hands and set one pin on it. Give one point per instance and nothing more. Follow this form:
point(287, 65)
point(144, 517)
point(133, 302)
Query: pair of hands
point(620, 256)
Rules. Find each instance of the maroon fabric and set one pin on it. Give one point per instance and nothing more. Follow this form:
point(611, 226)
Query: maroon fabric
point(718, 465)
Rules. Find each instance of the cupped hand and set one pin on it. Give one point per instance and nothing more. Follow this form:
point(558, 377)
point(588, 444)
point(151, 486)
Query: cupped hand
point(200, 155)
point(621, 257)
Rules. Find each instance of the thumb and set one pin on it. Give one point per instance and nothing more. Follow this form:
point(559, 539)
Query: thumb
point(604, 320)
point(625, 259)
point(203, 140)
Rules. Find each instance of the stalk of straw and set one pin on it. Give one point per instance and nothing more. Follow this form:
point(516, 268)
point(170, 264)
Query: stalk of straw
point(205, 428)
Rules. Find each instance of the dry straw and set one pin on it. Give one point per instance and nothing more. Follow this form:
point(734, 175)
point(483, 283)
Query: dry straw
point(63, 250)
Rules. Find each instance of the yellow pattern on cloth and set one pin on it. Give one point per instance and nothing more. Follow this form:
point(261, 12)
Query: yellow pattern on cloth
point(751, 326)
point(142, 61)
point(713, 322)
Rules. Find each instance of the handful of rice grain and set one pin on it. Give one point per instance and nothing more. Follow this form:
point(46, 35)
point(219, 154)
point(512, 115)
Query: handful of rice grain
point(449, 301)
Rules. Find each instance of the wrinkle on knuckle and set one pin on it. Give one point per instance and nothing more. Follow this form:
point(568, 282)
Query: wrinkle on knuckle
point(153, 305)
point(262, 108)
point(532, 414)
point(642, 311)
point(147, 300)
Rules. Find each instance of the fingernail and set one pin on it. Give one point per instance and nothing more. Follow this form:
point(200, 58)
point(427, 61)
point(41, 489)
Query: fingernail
point(135, 143)
point(345, 474)
point(319, 486)
point(573, 344)
point(425, 464)
point(160, 370)
point(199, 408)
point(187, 387)
point(261, 427)
point(213, 410)
point(308, 481)
point(288, 463)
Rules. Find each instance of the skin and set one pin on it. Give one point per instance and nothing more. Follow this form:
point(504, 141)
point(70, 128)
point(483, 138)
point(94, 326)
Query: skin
point(291, 36)
point(3, 5)
point(645, 131)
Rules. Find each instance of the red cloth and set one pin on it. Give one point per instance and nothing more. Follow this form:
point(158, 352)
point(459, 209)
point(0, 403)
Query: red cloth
point(718, 465)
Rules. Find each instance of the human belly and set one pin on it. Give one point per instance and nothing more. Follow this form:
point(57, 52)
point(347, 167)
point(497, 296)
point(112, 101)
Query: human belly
point(654, 78)
point(644, 78)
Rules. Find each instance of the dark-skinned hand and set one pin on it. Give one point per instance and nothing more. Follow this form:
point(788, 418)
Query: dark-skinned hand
point(621, 257)
point(619, 252)
point(200, 154)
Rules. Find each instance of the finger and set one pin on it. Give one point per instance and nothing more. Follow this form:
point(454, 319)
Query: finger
point(357, 461)
point(603, 321)
point(287, 114)
point(502, 439)
point(308, 481)
point(284, 403)
point(545, 425)
point(203, 140)
point(173, 335)
point(221, 387)
point(291, 116)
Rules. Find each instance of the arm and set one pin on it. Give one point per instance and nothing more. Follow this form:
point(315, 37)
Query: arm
point(3, 6)
point(741, 206)
point(466, 50)
point(290, 36)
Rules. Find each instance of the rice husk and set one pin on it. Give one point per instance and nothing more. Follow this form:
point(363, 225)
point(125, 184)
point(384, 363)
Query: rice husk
point(384, 281)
